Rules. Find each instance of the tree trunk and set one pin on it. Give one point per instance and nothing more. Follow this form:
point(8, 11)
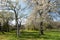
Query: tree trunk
point(7, 26)
point(16, 18)
point(19, 28)
point(1, 28)
point(41, 28)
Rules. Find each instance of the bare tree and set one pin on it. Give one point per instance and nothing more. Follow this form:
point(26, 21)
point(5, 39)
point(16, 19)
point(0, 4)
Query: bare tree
point(15, 7)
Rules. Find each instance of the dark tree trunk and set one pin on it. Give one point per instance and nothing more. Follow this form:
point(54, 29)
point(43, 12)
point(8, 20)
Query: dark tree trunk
point(41, 23)
point(41, 28)
point(16, 18)
point(19, 26)
point(1, 27)
point(7, 26)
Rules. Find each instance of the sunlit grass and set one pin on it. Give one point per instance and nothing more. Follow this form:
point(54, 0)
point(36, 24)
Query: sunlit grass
point(31, 35)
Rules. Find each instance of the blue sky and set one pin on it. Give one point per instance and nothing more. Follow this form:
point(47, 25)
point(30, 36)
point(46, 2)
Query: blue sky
point(55, 16)
point(24, 5)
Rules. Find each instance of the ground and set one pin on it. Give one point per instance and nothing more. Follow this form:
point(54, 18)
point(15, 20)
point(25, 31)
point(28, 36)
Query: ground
point(31, 35)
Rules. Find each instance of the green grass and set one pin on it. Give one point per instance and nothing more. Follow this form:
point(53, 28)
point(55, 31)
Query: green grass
point(31, 35)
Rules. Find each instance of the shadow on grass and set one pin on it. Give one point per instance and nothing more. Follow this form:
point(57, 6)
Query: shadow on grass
point(29, 35)
point(35, 35)
point(54, 35)
point(32, 35)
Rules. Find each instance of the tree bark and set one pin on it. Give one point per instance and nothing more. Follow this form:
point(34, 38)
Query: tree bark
point(16, 18)
point(1, 28)
point(7, 26)
point(41, 28)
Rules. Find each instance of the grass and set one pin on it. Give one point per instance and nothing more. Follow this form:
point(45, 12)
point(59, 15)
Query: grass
point(31, 35)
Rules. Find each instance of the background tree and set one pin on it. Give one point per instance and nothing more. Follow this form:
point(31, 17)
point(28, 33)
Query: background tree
point(42, 8)
point(6, 17)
